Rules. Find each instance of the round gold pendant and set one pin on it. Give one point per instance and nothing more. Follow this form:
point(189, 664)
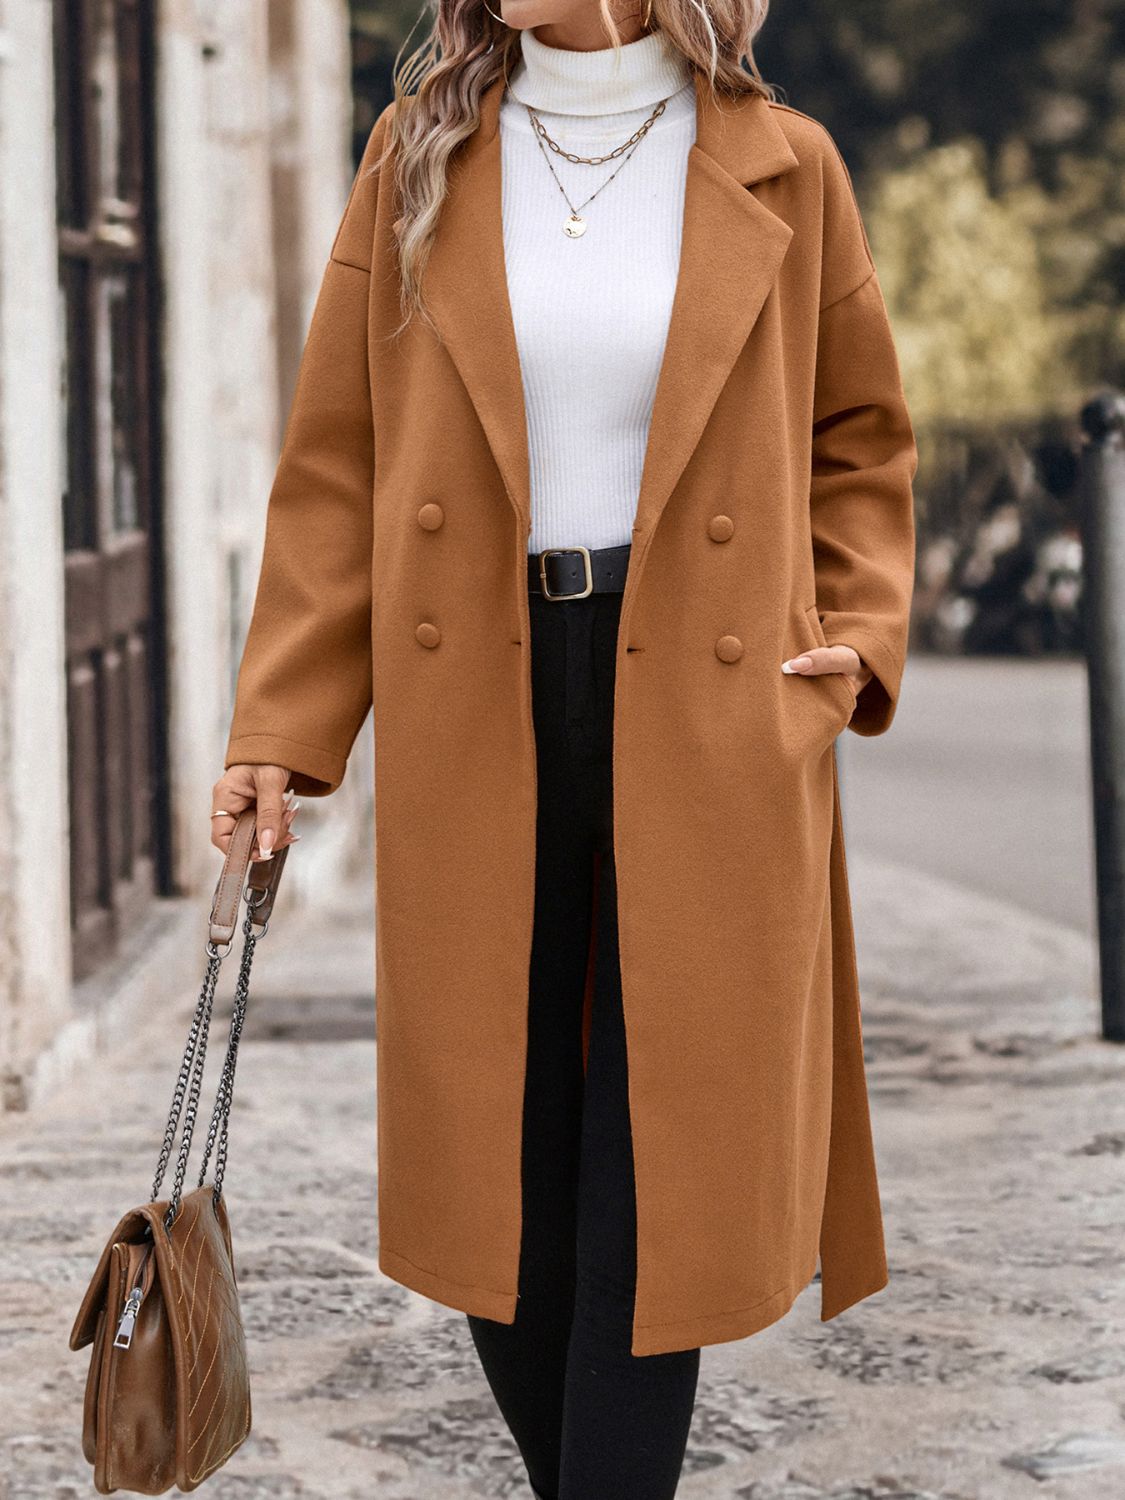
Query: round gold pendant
point(574, 227)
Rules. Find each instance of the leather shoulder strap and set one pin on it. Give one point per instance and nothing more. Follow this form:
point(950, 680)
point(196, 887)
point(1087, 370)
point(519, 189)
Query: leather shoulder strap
point(263, 879)
point(232, 879)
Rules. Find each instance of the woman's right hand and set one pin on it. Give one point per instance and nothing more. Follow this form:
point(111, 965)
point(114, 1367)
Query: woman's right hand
point(240, 787)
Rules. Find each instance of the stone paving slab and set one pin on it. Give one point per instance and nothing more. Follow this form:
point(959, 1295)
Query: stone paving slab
point(991, 1368)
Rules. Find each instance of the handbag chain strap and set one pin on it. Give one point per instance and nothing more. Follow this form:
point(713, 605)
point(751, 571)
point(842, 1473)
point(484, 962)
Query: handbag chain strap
point(220, 1114)
point(260, 882)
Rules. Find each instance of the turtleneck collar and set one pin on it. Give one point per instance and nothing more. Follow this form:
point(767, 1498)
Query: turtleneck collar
point(564, 81)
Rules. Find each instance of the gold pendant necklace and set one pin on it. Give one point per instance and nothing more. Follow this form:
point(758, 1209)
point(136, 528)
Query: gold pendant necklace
point(574, 226)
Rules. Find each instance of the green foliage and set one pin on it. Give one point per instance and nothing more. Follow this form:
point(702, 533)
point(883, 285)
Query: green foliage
point(977, 333)
point(1037, 88)
point(388, 19)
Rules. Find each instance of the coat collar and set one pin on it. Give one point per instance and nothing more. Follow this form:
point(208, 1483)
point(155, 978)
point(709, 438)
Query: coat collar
point(731, 252)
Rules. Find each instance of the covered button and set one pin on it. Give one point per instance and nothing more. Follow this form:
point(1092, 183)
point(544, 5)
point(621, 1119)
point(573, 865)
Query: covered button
point(431, 516)
point(428, 634)
point(720, 528)
point(728, 648)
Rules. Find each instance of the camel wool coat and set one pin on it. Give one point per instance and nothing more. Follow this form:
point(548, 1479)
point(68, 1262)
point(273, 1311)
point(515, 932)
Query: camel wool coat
point(774, 514)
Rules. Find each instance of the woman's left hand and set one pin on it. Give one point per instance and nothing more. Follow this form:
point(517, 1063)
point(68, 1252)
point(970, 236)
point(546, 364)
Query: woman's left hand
point(843, 659)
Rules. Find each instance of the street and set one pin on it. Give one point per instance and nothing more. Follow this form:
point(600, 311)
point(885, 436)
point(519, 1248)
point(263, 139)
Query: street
point(983, 779)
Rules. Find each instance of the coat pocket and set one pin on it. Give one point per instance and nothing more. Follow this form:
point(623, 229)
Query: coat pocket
point(813, 635)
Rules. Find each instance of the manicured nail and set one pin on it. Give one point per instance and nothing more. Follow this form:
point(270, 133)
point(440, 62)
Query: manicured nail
point(797, 664)
point(294, 838)
point(265, 841)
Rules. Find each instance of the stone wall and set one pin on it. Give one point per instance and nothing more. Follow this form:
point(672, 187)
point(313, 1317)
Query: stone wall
point(253, 117)
point(34, 952)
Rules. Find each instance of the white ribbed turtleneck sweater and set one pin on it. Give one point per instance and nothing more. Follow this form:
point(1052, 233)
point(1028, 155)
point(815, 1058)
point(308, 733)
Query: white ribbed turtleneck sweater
point(591, 314)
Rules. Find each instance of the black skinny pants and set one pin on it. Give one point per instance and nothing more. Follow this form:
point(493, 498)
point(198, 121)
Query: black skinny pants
point(592, 1421)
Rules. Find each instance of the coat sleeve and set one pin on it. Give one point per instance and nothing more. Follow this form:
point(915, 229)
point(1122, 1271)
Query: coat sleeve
point(304, 681)
point(863, 462)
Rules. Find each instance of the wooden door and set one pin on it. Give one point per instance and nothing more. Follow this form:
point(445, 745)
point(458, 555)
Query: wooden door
point(114, 618)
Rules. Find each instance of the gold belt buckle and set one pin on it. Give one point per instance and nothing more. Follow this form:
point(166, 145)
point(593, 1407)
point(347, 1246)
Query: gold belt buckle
point(554, 552)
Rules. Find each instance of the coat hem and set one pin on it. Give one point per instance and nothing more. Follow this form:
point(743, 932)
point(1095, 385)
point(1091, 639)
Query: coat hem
point(838, 1297)
point(482, 1302)
point(648, 1338)
point(719, 1328)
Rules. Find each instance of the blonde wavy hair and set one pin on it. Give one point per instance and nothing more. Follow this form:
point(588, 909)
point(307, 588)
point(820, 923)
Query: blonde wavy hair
point(438, 86)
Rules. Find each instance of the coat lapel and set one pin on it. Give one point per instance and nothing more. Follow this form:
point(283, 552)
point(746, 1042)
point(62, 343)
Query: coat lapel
point(466, 288)
point(732, 250)
point(731, 253)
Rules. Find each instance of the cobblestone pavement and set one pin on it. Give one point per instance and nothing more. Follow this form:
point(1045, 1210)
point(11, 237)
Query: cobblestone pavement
point(993, 1365)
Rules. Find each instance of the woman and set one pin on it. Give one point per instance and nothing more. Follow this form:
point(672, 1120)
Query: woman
point(597, 486)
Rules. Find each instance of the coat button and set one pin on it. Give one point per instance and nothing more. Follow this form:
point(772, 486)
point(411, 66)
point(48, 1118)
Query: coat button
point(430, 517)
point(728, 648)
point(720, 528)
point(428, 634)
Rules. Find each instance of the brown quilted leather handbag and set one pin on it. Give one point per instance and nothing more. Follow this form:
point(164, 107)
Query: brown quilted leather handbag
point(168, 1393)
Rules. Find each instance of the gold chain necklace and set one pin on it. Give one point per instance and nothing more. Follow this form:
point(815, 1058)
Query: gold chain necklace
point(574, 227)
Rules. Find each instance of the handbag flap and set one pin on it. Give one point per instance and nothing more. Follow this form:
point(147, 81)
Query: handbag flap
point(130, 1228)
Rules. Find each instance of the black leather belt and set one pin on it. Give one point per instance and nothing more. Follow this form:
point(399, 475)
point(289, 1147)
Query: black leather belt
point(574, 572)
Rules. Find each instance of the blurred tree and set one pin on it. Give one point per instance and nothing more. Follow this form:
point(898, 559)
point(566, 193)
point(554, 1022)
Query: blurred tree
point(1043, 72)
point(977, 335)
point(1040, 84)
point(379, 28)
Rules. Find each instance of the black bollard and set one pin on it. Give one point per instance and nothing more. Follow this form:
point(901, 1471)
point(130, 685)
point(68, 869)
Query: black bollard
point(1103, 550)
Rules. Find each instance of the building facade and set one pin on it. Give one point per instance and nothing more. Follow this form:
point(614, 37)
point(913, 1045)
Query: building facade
point(171, 175)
